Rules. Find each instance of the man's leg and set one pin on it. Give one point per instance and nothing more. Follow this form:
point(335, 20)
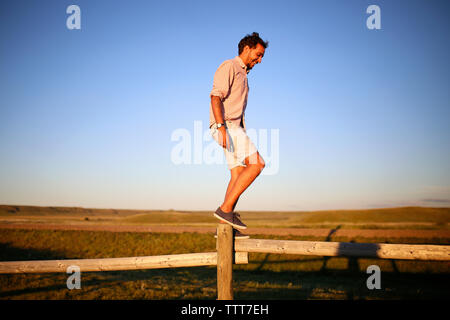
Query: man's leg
point(235, 172)
point(254, 165)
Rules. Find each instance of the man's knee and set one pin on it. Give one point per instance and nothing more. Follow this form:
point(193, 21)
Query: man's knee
point(261, 165)
point(256, 162)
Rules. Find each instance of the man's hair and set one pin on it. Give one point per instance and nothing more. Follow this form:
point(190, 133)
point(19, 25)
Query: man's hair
point(251, 40)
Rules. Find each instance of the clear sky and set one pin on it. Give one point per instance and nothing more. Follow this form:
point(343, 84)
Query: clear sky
point(87, 115)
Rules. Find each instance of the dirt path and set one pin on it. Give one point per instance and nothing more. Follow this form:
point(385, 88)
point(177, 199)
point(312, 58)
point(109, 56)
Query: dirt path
point(366, 233)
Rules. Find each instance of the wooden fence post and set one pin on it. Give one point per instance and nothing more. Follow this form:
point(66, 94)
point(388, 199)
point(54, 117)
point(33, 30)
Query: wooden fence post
point(225, 244)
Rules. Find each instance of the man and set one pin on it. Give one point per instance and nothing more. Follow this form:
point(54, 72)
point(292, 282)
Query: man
point(227, 125)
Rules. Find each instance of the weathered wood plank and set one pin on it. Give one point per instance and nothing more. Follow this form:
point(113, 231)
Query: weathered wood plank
point(224, 262)
point(334, 249)
point(116, 264)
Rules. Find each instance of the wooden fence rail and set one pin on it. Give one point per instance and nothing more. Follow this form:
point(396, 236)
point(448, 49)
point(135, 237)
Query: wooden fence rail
point(117, 264)
point(346, 249)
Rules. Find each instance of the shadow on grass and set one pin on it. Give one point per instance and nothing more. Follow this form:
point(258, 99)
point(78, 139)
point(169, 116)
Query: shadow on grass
point(11, 253)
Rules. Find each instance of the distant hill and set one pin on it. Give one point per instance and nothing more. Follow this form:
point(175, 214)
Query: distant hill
point(19, 210)
point(388, 215)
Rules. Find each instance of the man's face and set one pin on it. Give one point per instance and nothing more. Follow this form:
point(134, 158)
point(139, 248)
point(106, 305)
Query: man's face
point(254, 55)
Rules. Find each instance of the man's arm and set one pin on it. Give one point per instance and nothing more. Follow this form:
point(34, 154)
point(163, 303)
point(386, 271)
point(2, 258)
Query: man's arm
point(223, 78)
point(217, 108)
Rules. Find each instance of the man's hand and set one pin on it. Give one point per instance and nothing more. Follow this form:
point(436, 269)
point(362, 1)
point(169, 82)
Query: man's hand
point(223, 137)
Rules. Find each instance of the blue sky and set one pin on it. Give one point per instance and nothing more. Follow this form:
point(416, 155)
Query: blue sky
point(87, 115)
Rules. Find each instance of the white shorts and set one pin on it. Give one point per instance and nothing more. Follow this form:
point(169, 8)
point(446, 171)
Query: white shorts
point(240, 146)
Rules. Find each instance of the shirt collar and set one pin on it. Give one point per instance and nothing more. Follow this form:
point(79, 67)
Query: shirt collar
point(241, 63)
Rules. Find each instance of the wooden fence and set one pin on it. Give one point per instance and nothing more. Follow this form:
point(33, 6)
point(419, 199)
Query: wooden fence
point(231, 251)
point(119, 264)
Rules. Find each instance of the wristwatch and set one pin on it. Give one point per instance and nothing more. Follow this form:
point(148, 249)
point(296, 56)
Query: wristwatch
point(219, 125)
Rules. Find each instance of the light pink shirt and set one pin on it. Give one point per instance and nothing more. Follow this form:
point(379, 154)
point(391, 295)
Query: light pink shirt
point(231, 85)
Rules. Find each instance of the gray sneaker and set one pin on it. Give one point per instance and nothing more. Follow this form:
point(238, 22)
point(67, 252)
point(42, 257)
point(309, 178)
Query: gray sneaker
point(230, 218)
point(237, 234)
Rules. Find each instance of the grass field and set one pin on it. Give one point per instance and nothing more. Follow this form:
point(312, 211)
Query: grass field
point(392, 218)
point(267, 276)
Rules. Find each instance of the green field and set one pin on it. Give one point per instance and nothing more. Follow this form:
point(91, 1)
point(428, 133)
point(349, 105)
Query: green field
point(267, 276)
point(391, 218)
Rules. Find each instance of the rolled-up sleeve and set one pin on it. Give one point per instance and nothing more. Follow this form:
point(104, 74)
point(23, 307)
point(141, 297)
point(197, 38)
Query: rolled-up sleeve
point(223, 79)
